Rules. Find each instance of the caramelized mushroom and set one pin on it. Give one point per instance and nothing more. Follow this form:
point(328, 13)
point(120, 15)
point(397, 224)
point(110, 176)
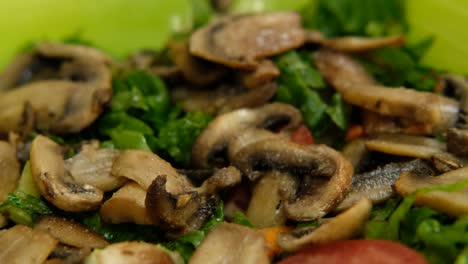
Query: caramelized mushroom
point(346, 225)
point(325, 175)
point(77, 80)
point(214, 139)
point(231, 244)
point(454, 203)
point(358, 88)
point(70, 233)
point(55, 183)
point(457, 141)
point(353, 43)
point(9, 170)
point(223, 98)
point(266, 72)
point(21, 244)
point(240, 41)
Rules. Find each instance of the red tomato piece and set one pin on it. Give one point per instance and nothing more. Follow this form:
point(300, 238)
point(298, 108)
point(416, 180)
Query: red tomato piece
point(302, 136)
point(357, 251)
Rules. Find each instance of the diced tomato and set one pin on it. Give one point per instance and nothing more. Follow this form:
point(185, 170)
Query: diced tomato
point(357, 251)
point(302, 136)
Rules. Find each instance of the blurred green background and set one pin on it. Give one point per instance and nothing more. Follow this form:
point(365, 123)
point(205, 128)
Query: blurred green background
point(122, 26)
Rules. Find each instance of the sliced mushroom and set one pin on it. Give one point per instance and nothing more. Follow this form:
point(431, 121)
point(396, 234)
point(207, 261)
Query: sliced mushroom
point(346, 225)
point(266, 72)
point(453, 203)
point(375, 123)
point(55, 182)
point(70, 233)
point(127, 205)
point(214, 139)
point(229, 244)
point(266, 205)
point(457, 141)
point(171, 200)
point(240, 41)
point(325, 174)
point(355, 151)
point(377, 185)
point(416, 147)
point(77, 80)
point(9, 170)
point(14, 74)
point(223, 98)
point(358, 88)
point(64, 254)
point(134, 253)
point(458, 86)
point(93, 166)
point(194, 69)
point(21, 244)
point(157, 63)
point(354, 43)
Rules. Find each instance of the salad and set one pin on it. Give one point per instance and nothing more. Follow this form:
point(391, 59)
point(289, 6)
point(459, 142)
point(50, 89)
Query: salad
point(316, 136)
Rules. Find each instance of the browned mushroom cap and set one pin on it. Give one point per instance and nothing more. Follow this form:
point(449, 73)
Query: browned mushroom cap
point(127, 205)
point(171, 200)
point(215, 138)
point(54, 181)
point(358, 88)
point(14, 73)
point(77, 80)
point(70, 233)
point(354, 43)
point(325, 174)
point(239, 41)
point(134, 253)
point(457, 141)
point(9, 170)
point(377, 185)
point(452, 203)
point(21, 244)
point(266, 72)
point(194, 69)
point(223, 98)
point(375, 123)
point(346, 225)
point(229, 244)
point(93, 166)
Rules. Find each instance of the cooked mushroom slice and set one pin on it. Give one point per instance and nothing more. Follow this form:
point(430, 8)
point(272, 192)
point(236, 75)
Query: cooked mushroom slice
point(194, 69)
point(64, 254)
point(452, 203)
point(325, 175)
point(9, 170)
point(127, 205)
point(223, 98)
point(458, 85)
point(375, 123)
point(171, 200)
point(266, 72)
point(266, 206)
point(457, 141)
point(353, 43)
point(134, 253)
point(416, 147)
point(355, 151)
point(358, 88)
point(14, 74)
point(239, 41)
point(214, 139)
point(21, 244)
point(346, 225)
point(77, 80)
point(229, 244)
point(157, 63)
point(93, 166)
point(55, 182)
point(377, 185)
point(70, 233)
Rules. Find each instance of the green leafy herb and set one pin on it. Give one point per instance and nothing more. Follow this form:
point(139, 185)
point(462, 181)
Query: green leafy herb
point(241, 219)
point(301, 85)
point(177, 136)
point(23, 208)
point(355, 17)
